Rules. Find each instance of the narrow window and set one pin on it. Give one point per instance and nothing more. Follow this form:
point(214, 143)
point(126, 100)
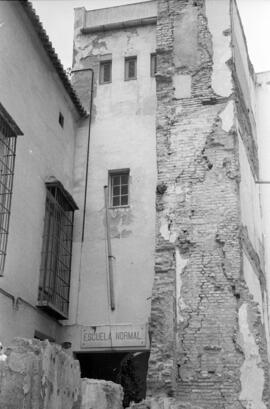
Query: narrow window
point(153, 62)
point(130, 68)
point(55, 268)
point(105, 72)
point(8, 134)
point(61, 119)
point(119, 188)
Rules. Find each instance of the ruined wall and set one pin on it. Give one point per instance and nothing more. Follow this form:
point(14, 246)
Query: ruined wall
point(99, 394)
point(39, 375)
point(207, 323)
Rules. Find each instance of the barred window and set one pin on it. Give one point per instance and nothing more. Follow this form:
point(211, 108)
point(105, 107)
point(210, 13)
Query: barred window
point(119, 187)
point(54, 283)
point(8, 133)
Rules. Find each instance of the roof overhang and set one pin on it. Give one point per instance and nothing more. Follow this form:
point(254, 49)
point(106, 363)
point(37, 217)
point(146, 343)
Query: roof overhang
point(50, 51)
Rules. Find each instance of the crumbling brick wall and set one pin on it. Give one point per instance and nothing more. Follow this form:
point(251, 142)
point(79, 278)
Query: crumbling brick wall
point(206, 326)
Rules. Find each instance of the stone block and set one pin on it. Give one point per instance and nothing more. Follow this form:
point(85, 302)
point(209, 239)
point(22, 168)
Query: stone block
point(99, 394)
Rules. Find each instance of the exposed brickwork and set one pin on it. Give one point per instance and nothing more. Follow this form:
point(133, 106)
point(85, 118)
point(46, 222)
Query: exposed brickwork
point(198, 353)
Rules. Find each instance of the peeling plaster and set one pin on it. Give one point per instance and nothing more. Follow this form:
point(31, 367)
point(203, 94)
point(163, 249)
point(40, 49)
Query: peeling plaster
point(227, 116)
point(180, 266)
point(252, 375)
point(165, 229)
point(253, 284)
point(219, 26)
point(182, 85)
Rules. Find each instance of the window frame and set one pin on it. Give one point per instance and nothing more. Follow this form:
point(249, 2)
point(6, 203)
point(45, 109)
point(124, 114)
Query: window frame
point(127, 61)
point(56, 253)
point(118, 173)
point(101, 71)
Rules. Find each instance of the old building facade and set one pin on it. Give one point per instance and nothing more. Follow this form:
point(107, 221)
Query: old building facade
point(165, 185)
point(37, 96)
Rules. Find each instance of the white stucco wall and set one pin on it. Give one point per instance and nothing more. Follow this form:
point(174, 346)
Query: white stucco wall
point(263, 128)
point(33, 95)
point(122, 136)
point(244, 69)
point(250, 201)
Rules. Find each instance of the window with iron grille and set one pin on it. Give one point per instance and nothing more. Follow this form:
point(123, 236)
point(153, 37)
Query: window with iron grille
point(8, 133)
point(56, 254)
point(119, 188)
point(105, 72)
point(130, 68)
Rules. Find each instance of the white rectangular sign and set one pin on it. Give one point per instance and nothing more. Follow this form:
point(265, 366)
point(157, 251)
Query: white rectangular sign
point(107, 336)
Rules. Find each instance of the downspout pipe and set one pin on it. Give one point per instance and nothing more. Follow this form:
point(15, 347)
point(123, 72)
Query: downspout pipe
point(109, 250)
point(88, 144)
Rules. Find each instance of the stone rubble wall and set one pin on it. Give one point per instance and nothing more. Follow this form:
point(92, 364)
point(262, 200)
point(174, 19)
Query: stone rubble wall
point(38, 375)
point(99, 394)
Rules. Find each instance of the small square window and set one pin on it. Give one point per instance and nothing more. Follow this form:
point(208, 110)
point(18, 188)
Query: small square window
point(153, 62)
point(119, 188)
point(105, 72)
point(130, 68)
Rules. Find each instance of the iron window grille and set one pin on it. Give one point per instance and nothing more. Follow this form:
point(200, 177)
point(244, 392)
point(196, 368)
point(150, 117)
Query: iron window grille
point(8, 138)
point(119, 188)
point(130, 68)
point(54, 283)
point(105, 72)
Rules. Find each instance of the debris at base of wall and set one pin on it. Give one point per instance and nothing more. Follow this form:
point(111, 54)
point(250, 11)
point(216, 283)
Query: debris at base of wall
point(37, 374)
point(40, 375)
point(99, 394)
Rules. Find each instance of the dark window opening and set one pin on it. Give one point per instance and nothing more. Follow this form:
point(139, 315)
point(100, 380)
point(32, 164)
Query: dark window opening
point(153, 61)
point(105, 73)
point(125, 368)
point(119, 188)
point(130, 68)
point(61, 119)
point(56, 254)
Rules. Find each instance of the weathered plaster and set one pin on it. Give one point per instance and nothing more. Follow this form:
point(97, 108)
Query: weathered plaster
point(227, 116)
point(182, 85)
point(180, 303)
point(122, 136)
point(185, 28)
point(252, 375)
point(253, 283)
point(219, 24)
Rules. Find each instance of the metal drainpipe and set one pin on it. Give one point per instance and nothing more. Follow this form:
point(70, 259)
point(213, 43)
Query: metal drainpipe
point(88, 144)
point(109, 249)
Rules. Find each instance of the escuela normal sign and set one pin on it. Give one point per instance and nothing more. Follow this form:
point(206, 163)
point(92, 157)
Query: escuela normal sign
point(113, 336)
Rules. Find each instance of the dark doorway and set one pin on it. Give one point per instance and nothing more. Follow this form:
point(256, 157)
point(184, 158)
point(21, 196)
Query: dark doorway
point(126, 368)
